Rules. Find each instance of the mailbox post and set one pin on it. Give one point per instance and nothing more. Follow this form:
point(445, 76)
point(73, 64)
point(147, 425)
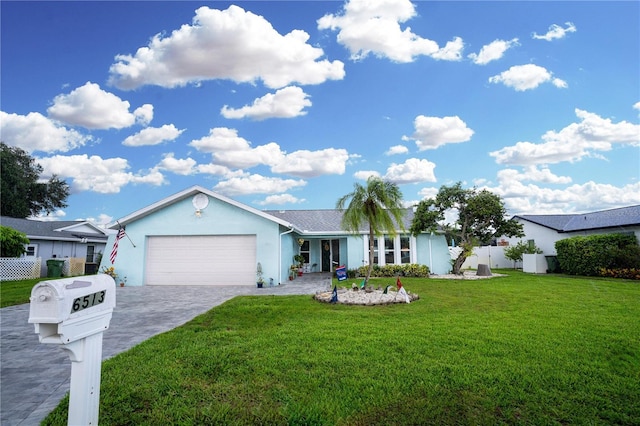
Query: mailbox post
point(73, 313)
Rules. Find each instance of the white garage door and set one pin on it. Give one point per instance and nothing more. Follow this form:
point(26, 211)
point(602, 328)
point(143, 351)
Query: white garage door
point(201, 260)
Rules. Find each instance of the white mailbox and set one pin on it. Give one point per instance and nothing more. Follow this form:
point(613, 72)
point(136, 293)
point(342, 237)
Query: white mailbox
point(73, 313)
point(70, 309)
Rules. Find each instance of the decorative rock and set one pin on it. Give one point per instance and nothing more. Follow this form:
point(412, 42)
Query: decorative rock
point(373, 298)
point(483, 270)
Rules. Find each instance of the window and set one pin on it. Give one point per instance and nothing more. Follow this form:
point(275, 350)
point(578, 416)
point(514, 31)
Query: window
point(397, 250)
point(405, 250)
point(304, 251)
point(90, 254)
point(376, 260)
point(31, 250)
point(389, 252)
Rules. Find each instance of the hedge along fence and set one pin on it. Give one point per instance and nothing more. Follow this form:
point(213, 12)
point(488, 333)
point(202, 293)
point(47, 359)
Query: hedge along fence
point(589, 255)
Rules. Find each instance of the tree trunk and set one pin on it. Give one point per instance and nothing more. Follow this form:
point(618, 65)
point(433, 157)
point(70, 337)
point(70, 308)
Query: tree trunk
point(370, 268)
point(457, 265)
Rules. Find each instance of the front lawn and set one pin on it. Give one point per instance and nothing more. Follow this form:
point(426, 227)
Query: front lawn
point(17, 292)
point(522, 349)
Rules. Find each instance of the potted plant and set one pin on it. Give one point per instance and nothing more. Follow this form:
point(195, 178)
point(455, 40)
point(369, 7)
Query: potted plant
point(123, 282)
point(299, 259)
point(292, 272)
point(260, 280)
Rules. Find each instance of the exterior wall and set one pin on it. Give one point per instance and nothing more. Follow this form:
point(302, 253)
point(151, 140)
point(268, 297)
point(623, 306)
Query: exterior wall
point(48, 249)
point(219, 218)
point(432, 250)
point(546, 238)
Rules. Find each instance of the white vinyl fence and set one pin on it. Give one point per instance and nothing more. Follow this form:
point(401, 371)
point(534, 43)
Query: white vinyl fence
point(23, 268)
point(489, 255)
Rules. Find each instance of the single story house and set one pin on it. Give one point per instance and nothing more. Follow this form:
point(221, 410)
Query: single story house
point(62, 240)
point(544, 230)
point(199, 237)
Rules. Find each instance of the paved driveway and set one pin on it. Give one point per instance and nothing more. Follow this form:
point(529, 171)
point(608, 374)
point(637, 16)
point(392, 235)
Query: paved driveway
point(34, 377)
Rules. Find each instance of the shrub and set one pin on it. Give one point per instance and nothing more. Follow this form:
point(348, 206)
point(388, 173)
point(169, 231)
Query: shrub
point(588, 255)
point(626, 273)
point(407, 270)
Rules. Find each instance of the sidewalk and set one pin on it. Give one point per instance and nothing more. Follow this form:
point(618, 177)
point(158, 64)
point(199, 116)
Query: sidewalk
point(34, 377)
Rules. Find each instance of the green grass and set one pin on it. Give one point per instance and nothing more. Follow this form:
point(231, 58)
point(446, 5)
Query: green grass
point(17, 292)
point(522, 349)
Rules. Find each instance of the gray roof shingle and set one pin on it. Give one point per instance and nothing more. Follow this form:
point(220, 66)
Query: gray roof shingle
point(322, 221)
point(50, 230)
point(615, 218)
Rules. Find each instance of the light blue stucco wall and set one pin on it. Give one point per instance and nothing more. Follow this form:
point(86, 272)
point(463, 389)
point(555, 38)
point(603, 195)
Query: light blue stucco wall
point(219, 218)
point(435, 256)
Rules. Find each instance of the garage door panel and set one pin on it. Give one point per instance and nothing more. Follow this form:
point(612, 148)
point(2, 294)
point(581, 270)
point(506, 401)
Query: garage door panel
point(201, 260)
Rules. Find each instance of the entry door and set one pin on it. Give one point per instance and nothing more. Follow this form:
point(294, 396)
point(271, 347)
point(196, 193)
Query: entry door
point(330, 254)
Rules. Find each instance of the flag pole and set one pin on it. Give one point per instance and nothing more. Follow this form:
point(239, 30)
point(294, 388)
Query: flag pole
point(125, 233)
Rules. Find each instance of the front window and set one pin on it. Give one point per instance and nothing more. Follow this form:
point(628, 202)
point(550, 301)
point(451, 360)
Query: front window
point(397, 250)
point(389, 252)
point(405, 250)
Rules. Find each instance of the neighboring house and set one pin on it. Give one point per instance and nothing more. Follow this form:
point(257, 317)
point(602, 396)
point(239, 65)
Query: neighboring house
point(545, 230)
point(61, 240)
point(199, 237)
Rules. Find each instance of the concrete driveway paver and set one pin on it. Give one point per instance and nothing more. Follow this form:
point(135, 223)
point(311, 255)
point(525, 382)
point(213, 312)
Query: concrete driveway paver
point(34, 377)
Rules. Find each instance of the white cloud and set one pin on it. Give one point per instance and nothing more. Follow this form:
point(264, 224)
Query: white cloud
point(35, 132)
point(374, 27)
point(591, 135)
point(413, 170)
point(637, 106)
point(587, 197)
point(105, 176)
point(556, 32)
point(230, 150)
point(281, 199)
point(305, 163)
point(91, 107)
point(225, 44)
point(153, 136)
point(285, 103)
point(185, 166)
point(533, 173)
point(213, 169)
point(525, 77)
point(433, 132)
point(365, 174)
point(256, 184)
point(493, 51)
point(397, 149)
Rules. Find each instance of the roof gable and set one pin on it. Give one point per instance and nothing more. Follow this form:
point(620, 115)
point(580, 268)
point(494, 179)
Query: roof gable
point(614, 218)
point(189, 192)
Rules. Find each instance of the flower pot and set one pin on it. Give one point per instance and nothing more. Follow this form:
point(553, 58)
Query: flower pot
point(121, 284)
point(259, 285)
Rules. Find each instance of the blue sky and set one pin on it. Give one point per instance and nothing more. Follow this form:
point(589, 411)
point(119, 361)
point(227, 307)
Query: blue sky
point(285, 105)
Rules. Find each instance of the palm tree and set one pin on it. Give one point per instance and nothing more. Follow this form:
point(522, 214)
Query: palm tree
point(378, 205)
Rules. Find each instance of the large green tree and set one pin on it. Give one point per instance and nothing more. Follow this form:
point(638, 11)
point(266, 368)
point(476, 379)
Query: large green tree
point(481, 217)
point(378, 205)
point(21, 191)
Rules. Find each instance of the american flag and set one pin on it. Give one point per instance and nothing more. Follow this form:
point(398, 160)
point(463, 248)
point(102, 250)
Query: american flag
point(114, 251)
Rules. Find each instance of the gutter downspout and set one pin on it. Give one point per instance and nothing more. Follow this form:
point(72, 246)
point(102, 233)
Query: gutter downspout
point(280, 253)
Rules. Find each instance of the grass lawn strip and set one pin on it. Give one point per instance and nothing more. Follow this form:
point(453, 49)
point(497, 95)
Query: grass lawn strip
point(518, 349)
